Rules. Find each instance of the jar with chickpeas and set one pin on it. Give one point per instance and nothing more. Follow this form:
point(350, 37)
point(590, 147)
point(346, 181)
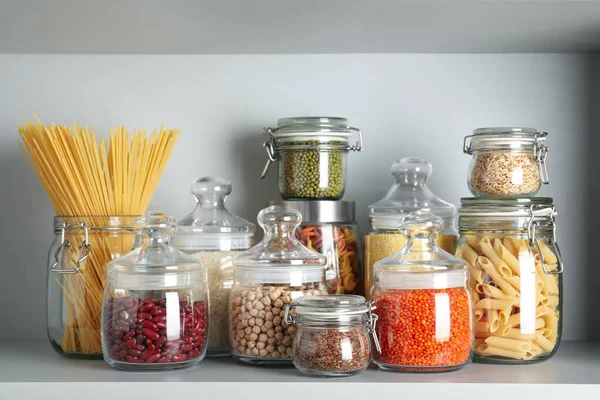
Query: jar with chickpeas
point(268, 277)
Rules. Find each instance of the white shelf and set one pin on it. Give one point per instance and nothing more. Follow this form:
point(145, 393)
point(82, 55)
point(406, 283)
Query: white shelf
point(31, 369)
point(295, 27)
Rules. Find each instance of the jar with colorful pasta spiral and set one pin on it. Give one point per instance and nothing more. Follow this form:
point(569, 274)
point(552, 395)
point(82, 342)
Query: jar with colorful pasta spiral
point(516, 277)
point(329, 227)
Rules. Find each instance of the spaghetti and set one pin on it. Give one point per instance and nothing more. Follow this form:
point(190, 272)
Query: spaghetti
point(96, 179)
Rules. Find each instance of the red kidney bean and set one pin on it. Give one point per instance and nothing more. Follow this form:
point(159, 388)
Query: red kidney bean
point(135, 353)
point(138, 326)
point(165, 359)
point(133, 359)
point(129, 302)
point(122, 322)
point(158, 311)
point(124, 315)
point(148, 342)
point(150, 334)
point(117, 341)
point(150, 325)
point(164, 353)
point(153, 358)
point(130, 343)
point(172, 344)
point(146, 308)
point(186, 347)
point(121, 354)
point(123, 328)
point(139, 347)
point(160, 341)
point(159, 318)
point(195, 353)
point(117, 335)
point(197, 344)
point(145, 315)
point(161, 325)
point(175, 352)
point(180, 358)
point(128, 335)
point(162, 332)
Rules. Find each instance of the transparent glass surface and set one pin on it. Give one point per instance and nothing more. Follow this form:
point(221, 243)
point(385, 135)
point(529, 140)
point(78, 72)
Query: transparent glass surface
point(274, 273)
point(424, 304)
point(215, 235)
point(74, 298)
point(155, 306)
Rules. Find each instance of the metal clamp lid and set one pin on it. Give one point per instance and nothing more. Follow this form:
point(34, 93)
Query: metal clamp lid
point(533, 241)
point(271, 146)
point(84, 249)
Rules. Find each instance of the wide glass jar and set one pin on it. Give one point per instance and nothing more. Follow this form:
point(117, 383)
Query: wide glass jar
point(409, 193)
point(516, 276)
point(424, 304)
point(506, 161)
point(155, 306)
point(332, 334)
point(274, 273)
point(312, 154)
point(330, 228)
point(215, 235)
point(77, 260)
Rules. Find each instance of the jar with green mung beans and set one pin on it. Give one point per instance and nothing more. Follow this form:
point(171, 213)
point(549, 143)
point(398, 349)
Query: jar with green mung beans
point(311, 153)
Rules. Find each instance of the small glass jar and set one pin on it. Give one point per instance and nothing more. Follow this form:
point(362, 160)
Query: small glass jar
point(274, 273)
point(215, 235)
point(332, 334)
point(424, 304)
point(516, 277)
point(506, 162)
point(312, 154)
point(330, 228)
point(77, 260)
point(155, 306)
point(409, 193)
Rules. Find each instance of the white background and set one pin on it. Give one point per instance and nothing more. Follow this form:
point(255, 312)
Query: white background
point(406, 105)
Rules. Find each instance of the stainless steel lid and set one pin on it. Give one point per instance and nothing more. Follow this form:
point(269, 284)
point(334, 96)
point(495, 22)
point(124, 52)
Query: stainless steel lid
point(322, 211)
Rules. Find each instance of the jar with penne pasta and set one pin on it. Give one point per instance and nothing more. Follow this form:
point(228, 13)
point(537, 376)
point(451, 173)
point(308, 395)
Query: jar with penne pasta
point(329, 227)
point(516, 277)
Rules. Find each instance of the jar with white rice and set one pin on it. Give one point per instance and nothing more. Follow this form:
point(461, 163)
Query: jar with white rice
point(215, 235)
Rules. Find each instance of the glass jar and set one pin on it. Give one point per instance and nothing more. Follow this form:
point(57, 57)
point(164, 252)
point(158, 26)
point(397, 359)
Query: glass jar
point(506, 161)
point(155, 305)
point(409, 193)
point(423, 302)
point(275, 272)
point(312, 154)
point(330, 228)
point(516, 276)
point(77, 260)
point(332, 334)
point(215, 235)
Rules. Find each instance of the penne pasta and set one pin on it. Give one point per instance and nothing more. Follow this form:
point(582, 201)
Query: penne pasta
point(472, 241)
point(510, 259)
point(551, 301)
point(482, 327)
point(509, 245)
point(504, 315)
point(515, 281)
point(468, 254)
point(552, 327)
point(515, 333)
point(494, 292)
point(487, 350)
point(508, 344)
point(479, 314)
point(494, 304)
point(490, 253)
point(488, 267)
point(549, 256)
point(544, 343)
point(478, 341)
point(493, 320)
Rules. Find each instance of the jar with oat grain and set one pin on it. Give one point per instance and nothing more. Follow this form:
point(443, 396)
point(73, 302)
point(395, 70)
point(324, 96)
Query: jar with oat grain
point(274, 273)
point(507, 162)
point(214, 235)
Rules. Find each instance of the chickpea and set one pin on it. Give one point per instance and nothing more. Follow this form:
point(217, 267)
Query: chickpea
point(278, 329)
point(276, 320)
point(279, 337)
point(291, 330)
point(289, 351)
point(261, 314)
point(275, 310)
point(259, 322)
point(278, 303)
point(254, 312)
point(287, 340)
point(260, 345)
point(266, 301)
point(282, 349)
point(255, 351)
point(271, 340)
point(248, 330)
point(271, 333)
point(252, 321)
point(276, 354)
point(256, 329)
point(270, 348)
point(269, 316)
point(251, 296)
point(251, 344)
point(263, 338)
point(262, 352)
point(243, 342)
point(269, 324)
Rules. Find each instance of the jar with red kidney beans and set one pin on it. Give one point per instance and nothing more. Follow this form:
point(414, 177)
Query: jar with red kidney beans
point(155, 303)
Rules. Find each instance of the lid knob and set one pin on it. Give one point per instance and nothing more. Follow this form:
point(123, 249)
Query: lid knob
point(154, 220)
point(287, 217)
point(412, 170)
point(209, 190)
point(421, 221)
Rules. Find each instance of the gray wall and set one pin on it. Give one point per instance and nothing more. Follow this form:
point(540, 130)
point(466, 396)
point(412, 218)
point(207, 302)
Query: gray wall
point(406, 105)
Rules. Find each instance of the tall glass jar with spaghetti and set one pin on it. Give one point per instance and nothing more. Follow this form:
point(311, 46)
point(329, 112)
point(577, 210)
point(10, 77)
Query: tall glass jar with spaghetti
point(330, 228)
point(422, 297)
point(215, 235)
point(516, 270)
point(409, 193)
point(77, 260)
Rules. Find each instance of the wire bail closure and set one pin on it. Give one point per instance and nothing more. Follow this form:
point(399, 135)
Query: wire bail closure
point(84, 249)
point(533, 241)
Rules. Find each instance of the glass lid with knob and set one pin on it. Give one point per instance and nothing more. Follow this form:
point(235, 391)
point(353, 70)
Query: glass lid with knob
point(421, 264)
point(211, 222)
point(409, 193)
point(280, 257)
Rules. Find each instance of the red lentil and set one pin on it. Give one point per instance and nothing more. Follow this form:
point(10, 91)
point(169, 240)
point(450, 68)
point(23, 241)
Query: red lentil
point(407, 329)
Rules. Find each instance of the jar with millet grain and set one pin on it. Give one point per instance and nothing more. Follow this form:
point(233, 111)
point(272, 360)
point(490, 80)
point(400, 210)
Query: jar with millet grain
point(424, 303)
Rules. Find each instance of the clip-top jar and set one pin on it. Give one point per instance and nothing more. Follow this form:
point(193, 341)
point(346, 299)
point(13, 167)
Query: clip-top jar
point(423, 302)
point(155, 304)
point(274, 273)
point(409, 193)
point(215, 235)
point(332, 337)
point(312, 155)
point(507, 162)
point(516, 270)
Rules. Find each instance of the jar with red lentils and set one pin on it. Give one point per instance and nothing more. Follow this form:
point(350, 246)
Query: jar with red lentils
point(424, 303)
point(155, 306)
